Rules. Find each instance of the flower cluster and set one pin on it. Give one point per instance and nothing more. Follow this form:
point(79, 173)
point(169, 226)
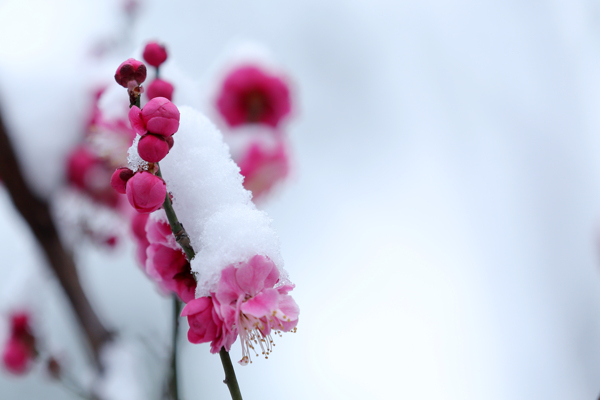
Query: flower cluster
point(156, 122)
point(246, 303)
point(251, 96)
point(165, 262)
point(20, 349)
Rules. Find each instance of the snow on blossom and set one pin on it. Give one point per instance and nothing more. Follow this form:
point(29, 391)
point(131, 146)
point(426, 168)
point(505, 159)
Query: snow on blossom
point(223, 224)
point(247, 303)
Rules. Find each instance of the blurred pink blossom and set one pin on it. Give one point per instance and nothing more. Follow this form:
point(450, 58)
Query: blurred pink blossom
point(252, 95)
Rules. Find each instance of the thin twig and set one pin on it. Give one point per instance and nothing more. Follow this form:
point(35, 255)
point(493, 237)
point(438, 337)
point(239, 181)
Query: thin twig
point(177, 228)
point(36, 213)
point(173, 379)
point(230, 379)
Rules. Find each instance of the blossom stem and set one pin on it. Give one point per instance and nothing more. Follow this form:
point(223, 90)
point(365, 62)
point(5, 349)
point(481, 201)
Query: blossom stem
point(177, 228)
point(173, 381)
point(230, 379)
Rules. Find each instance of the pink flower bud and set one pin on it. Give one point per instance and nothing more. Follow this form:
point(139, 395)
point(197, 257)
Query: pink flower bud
point(170, 141)
point(251, 95)
point(146, 192)
point(131, 70)
point(152, 148)
point(160, 88)
point(155, 54)
point(119, 179)
point(159, 116)
point(17, 356)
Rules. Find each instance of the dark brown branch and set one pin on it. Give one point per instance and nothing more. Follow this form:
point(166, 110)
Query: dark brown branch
point(37, 214)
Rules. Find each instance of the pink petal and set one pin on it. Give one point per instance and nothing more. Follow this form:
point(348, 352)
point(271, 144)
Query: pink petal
point(228, 290)
point(196, 306)
point(152, 148)
point(288, 307)
point(136, 120)
point(251, 276)
point(163, 126)
point(285, 289)
point(262, 304)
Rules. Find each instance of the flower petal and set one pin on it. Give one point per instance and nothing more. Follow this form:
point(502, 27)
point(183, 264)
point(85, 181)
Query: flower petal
point(251, 276)
point(228, 290)
point(136, 120)
point(262, 304)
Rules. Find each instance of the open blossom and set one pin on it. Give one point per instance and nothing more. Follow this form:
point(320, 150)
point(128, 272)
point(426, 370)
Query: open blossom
point(247, 303)
point(165, 261)
point(19, 350)
point(251, 95)
point(159, 116)
point(88, 173)
point(262, 167)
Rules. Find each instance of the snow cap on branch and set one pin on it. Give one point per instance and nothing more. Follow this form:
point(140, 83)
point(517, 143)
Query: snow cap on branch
point(223, 224)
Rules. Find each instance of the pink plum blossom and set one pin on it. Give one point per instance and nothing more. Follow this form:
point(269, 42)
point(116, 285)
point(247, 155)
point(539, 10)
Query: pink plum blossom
point(248, 304)
point(19, 350)
point(16, 356)
point(119, 179)
point(159, 116)
point(138, 228)
point(263, 167)
point(152, 148)
point(155, 54)
point(88, 173)
point(160, 88)
point(166, 263)
point(252, 95)
point(146, 192)
point(131, 73)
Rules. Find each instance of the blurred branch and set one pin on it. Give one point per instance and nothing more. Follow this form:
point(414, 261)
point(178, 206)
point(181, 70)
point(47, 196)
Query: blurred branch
point(36, 213)
point(173, 385)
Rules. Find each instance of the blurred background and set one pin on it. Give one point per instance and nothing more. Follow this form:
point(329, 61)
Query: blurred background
point(441, 221)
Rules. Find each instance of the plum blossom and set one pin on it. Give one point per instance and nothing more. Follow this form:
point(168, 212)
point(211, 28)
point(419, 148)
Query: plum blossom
point(155, 54)
point(252, 95)
point(165, 262)
point(88, 173)
point(160, 88)
point(263, 167)
point(246, 302)
point(146, 192)
point(131, 73)
point(159, 116)
point(19, 351)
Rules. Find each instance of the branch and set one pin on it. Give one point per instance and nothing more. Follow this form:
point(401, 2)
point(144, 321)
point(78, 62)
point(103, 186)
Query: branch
point(36, 213)
point(184, 241)
point(173, 386)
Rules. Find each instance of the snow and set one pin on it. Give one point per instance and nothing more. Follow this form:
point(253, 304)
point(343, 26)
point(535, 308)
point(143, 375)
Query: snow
point(120, 379)
point(223, 224)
